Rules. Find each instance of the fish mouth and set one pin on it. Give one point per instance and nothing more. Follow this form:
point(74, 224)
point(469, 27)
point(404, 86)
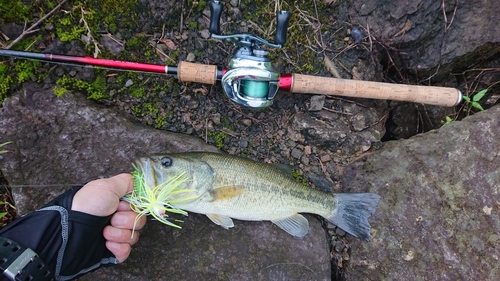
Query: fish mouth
point(147, 169)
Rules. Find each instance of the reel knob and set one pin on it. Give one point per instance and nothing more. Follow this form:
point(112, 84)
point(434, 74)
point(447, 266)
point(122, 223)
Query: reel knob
point(216, 8)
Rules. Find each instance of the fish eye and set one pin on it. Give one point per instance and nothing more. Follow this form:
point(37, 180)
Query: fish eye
point(166, 162)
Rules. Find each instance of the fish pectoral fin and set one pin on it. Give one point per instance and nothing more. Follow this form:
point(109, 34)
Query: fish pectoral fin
point(296, 225)
point(221, 220)
point(226, 192)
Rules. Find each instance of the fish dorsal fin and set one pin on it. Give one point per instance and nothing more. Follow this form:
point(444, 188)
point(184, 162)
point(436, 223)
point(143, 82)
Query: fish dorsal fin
point(226, 192)
point(221, 220)
point(287, 169)
point(296, 225)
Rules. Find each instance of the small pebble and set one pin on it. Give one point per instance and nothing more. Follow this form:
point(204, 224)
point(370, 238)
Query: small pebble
point(49, 27)
point(210, 126)
point(296, 153)
point(317, 103)
point(216, 118)
point(129, 83)
point(191, 57)
point(307, 150)
point(325, 158)
point(246, 122)
point(304, 160)
point(205, 34)
point(357, 35)
point(244, 142)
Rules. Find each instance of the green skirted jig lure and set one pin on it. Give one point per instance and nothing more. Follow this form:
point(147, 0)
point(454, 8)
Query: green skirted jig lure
point(158, 200)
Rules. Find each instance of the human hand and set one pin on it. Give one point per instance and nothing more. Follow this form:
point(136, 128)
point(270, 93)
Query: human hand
point(102, 198)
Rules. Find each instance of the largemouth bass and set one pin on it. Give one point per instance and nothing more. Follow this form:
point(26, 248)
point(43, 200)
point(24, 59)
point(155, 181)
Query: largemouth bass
point(230, 187)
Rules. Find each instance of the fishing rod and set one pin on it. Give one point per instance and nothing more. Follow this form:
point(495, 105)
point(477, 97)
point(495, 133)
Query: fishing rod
point(250, 79)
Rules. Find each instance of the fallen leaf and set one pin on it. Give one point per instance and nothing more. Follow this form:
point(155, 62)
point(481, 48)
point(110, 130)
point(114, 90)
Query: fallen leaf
point(201, 90)
point(169, 43)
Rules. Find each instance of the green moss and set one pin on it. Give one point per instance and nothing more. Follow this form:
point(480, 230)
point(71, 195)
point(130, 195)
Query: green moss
point(151, 108)
point(136, 110)
point(26, 43)
point(137, 93)
point(60, 91)
point(197, 5)
point(218, 138)
point(14, 11)
point(118, 13)
point(227, 123)
point(161, 121)
point(137, 41)
point(69, 29)
point(23, 70)
point(175, 54)
point(26, 70)
point(193, 25)
point(95, 90)
point(299, 177)
point(6, 82)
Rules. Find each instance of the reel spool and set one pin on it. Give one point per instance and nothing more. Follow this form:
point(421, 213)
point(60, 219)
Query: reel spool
point(250, 79)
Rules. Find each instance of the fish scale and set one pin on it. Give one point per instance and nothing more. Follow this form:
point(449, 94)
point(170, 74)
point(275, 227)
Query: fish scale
point(265, 195)
point(235, 187)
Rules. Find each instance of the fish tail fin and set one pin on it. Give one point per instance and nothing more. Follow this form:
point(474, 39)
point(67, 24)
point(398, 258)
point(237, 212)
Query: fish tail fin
point(352, 211)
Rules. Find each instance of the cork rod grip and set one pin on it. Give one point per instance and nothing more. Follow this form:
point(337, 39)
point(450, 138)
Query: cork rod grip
point(195, 72)
point(375, 90)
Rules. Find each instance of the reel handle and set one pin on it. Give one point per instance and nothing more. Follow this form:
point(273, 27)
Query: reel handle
point(216, 8)
point(375, 90)
point(282, 18)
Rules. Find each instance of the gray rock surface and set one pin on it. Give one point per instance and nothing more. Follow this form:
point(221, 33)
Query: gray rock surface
point(73, 140)
point(446, 41)
point(431, 32)
point(202, 250)
point(439, 216)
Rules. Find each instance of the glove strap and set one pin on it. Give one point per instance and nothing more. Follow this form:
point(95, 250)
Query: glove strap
point(21, 263)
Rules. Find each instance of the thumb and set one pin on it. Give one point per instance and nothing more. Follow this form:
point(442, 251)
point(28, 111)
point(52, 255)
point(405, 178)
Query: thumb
point(101, 197)
point(121, 184)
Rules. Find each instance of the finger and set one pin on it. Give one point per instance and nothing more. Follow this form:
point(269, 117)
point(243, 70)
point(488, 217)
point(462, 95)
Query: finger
point(120, 235)
point(120, 250)
point(127, 219)
point(123, 206)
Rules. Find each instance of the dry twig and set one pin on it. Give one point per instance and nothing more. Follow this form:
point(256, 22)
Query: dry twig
point(32, 29)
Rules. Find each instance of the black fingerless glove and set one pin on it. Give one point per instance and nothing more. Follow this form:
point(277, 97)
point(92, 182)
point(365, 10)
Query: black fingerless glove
point(71, 243)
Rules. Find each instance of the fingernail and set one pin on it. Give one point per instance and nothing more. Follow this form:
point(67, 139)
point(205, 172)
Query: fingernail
point(115, 232)
point(113, 246)
point(120, 219)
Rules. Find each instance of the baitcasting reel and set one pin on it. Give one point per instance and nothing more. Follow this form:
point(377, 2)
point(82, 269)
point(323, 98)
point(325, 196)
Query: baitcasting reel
point(250, 79)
